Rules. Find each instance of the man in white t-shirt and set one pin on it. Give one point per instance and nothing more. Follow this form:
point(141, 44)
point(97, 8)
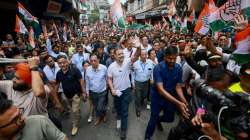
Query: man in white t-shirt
point(119, 83)
point(129, 51)
point(27, 90)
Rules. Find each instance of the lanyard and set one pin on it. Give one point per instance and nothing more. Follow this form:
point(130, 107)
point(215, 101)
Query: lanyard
point(143, 66)
point(80, 58)
point(131, 53)
point(53, 70)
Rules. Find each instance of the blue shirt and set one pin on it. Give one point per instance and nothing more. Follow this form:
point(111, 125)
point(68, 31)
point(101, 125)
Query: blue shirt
point(143, 71)
point(169, 78)
point(160, 55)
point(78, 59)
point(96, 80)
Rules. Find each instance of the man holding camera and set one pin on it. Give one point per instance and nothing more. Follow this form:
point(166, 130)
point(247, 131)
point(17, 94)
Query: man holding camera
point(243, 87)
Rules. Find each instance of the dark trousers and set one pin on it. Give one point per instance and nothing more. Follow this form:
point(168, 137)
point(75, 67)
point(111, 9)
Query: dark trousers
point(141, 90)
point(149, 93)
point(56, 121)
point(156, 107)
point(99, 102)
point(122, 106)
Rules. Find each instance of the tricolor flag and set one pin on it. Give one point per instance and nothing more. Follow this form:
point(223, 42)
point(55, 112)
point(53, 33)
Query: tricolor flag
point(202, 24)
point(191, 18)
point(20, 27)
point(84, 4)
point(117, 16)
point(184, 25)
point(242, 42)
point(31, 37)
point(25, 13)
point(224, 16)
point(26, 16)
point(172, 9)
point(245, 8)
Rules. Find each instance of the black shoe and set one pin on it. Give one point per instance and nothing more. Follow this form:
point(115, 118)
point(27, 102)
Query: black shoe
point(146, 138)
point(138, 114)
point(159, 126)
point(123, 135)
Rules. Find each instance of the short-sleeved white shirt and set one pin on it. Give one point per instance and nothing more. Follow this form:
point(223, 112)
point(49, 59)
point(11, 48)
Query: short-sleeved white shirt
point(129, 54)
point(120, 74)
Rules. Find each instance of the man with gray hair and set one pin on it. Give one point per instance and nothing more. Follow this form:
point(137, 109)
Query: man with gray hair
point(142, 73)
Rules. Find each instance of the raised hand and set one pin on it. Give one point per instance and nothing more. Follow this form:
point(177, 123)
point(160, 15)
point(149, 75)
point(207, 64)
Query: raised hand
point(240, 23)
point(33, 62)
point(136, 41)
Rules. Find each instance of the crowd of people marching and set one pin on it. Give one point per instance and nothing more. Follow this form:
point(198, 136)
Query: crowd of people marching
point(153, 66)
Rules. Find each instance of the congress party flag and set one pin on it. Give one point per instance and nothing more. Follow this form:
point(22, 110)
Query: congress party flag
point(117, 16)
point(20, 27)
point(224, 16)
point(202, 25)
point(242, 42)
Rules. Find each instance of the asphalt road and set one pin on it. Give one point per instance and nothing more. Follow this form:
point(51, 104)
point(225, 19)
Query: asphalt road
point(107, 130)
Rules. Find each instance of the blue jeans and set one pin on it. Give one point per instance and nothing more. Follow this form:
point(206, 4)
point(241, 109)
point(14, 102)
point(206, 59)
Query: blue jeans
point(156, 106)
point(121, 105)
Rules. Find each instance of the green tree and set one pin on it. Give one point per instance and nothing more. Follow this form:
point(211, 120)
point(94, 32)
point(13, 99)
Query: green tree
point(94, 16)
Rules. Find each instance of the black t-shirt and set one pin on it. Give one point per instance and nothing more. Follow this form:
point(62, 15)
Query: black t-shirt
point(70, 81)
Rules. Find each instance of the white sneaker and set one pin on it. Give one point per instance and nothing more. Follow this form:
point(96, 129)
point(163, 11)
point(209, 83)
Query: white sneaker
point(118, 124)
point(148, 107)
point(74, 131)
point(90, 119)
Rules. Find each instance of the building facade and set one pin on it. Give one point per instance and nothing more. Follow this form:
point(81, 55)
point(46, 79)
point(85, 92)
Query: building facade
point(141, 10)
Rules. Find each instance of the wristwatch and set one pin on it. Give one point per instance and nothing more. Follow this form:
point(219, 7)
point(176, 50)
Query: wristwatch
point(34, 69)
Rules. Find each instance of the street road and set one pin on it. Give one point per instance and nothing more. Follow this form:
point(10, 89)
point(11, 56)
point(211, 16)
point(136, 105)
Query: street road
point(107, 130)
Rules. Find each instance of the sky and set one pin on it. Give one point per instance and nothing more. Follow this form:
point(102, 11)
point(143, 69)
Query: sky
point(111, 1)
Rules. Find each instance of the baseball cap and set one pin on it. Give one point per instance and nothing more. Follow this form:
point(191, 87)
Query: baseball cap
point(213, 56)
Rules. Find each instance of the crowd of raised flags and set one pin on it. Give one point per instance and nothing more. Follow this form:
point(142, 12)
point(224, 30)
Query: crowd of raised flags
point(211, 20)
point(26, 23)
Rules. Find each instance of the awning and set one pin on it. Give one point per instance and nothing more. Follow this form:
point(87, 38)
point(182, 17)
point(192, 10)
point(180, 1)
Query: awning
point(155, 12)
point(140, 16)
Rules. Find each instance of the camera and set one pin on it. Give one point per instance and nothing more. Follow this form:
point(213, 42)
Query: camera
point(237, 115)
